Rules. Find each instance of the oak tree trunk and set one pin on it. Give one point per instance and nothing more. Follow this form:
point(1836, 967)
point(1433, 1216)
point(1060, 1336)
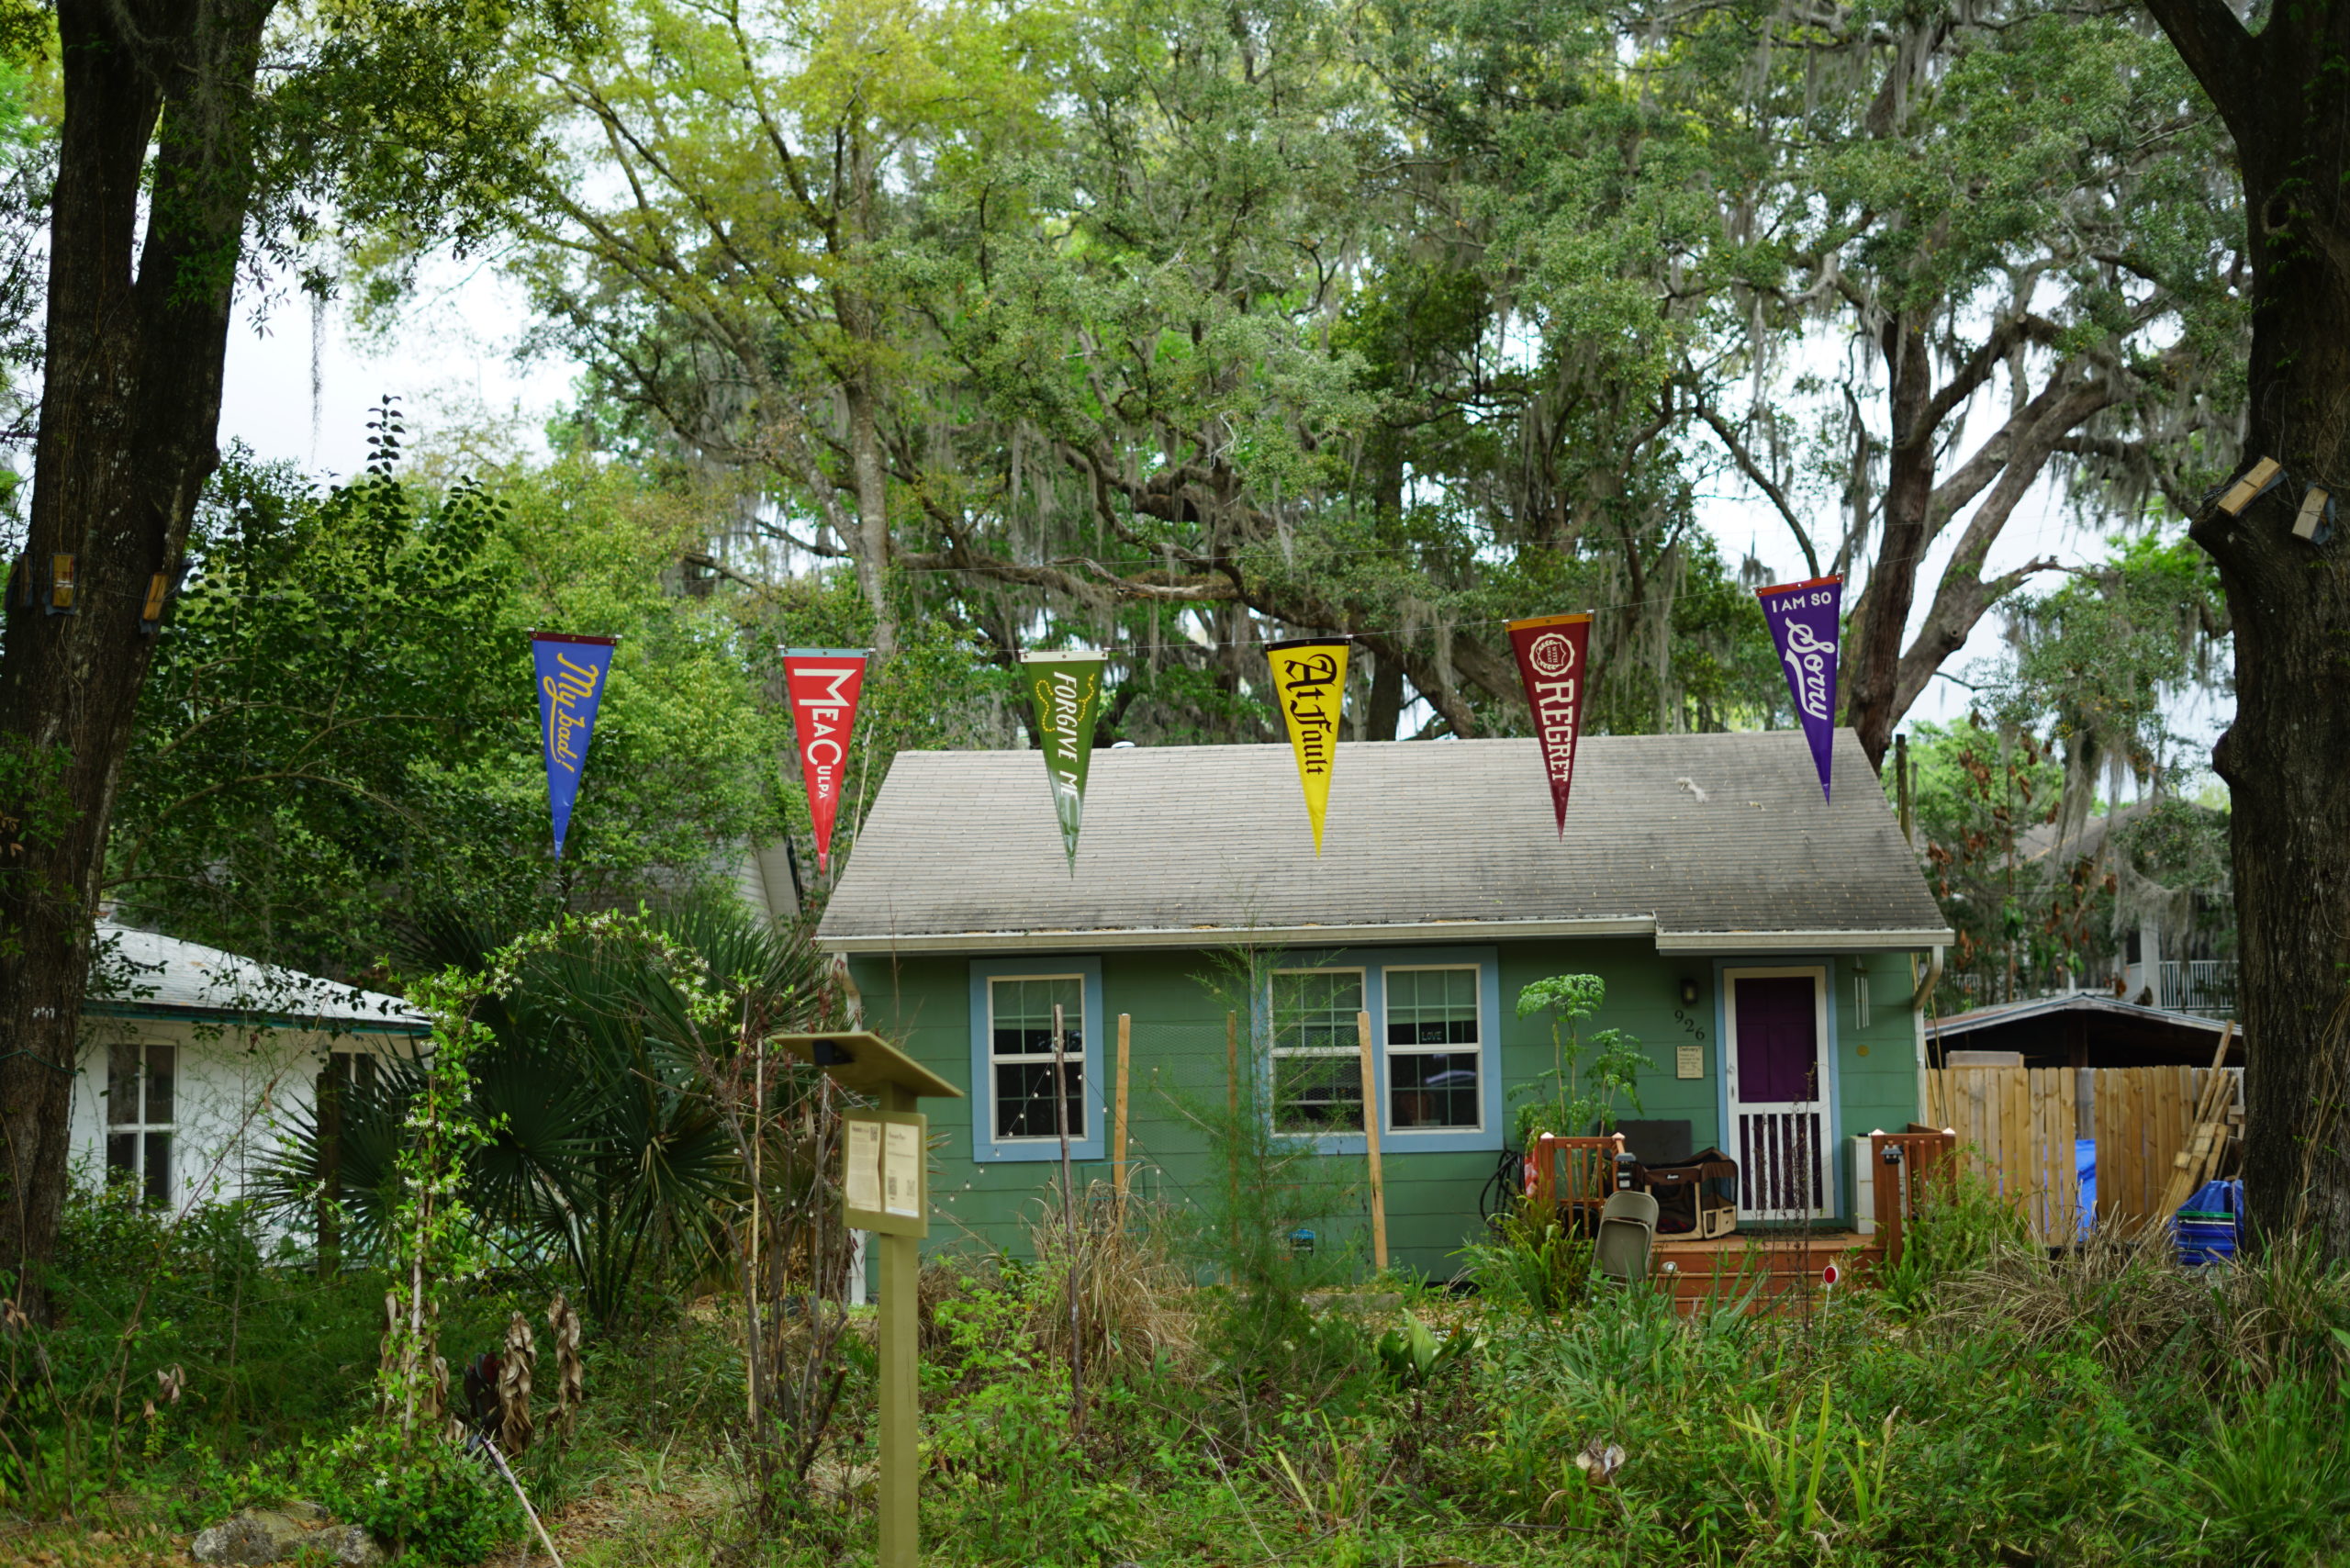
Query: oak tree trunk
point(159, 90)
point(2284, 94)
point(1873, 668)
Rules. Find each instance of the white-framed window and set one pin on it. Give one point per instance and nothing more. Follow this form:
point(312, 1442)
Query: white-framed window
point(1435, 1020)
point(1435, 1037)
point(1022, 1066)
point(1015, 1114)
point(143, 1117)
point(1317, 1051)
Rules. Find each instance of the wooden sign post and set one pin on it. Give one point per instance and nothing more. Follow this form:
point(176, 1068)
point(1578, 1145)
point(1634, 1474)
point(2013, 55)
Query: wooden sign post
point(885, 1179)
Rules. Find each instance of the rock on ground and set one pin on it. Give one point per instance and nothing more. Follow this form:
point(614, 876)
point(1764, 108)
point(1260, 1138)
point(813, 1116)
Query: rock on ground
point(262, 1535)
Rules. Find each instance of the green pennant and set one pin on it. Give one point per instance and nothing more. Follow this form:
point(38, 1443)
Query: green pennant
point(1066, 688)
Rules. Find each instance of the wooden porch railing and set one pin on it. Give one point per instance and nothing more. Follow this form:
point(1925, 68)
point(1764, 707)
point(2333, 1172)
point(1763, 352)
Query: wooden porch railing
point(1574, 1175)
point(1909, 1167)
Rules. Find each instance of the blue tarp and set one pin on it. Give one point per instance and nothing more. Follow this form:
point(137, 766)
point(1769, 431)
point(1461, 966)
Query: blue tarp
point(2208, 1223)
point(2085, 1171)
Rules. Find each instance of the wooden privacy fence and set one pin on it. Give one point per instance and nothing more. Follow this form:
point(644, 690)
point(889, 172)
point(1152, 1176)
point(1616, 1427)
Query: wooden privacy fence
point(2016, 1127)
point(2145, 1118)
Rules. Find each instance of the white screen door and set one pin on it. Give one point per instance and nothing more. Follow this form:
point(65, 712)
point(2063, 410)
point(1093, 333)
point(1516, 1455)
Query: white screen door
point(1778, 1076)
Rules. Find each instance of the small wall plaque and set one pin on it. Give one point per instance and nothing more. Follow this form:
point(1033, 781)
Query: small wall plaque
point(1689, 1061)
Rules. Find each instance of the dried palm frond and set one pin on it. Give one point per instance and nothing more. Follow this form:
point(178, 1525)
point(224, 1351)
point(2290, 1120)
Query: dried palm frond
point(516, 1362)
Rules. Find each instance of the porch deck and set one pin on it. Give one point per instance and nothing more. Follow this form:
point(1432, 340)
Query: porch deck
point(1781, 1267)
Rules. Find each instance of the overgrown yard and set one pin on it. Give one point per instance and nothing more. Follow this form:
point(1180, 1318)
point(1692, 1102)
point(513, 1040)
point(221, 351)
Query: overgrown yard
point(1989, 1406)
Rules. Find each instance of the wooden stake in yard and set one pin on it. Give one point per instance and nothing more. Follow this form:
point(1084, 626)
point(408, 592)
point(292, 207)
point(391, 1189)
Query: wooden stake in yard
point(1069, 1225)
point(758, 1123)
point(1232, 1124)
point(1371, 1145)
point(1118, 1158)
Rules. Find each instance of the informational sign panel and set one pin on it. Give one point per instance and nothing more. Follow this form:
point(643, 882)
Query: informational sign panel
point(901, 1170)
point(861, 1184)
point(885, 1182)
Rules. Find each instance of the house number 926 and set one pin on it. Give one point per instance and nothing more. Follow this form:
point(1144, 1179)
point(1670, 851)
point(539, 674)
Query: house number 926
point(1689, 1026)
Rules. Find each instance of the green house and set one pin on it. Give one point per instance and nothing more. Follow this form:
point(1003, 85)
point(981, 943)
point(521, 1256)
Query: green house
point(1767, 948)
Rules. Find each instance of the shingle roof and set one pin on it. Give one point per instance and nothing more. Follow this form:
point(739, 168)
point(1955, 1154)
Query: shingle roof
point(1717, 841)
point(142, 972)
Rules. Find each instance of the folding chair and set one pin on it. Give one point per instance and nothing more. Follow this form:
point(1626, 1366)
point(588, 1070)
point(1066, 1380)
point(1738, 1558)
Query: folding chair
point(1627, 1233)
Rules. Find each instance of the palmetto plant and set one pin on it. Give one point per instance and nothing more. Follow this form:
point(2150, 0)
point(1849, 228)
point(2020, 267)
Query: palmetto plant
point(607, 1158)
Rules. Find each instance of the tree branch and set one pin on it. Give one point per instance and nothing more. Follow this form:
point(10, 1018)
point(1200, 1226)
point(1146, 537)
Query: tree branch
point(1762, 482)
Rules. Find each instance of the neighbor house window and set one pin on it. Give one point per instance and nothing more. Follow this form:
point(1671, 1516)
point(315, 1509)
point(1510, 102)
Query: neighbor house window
point(142, 1117)
point(1317, 1058)
point(1435, 1048)
point(1020, 1057)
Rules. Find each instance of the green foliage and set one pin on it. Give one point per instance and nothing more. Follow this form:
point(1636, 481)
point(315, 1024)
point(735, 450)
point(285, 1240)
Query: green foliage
point(2275, 1474)
point(1960, 1224)
point(1270, 1189)
point(1530, 1263)
point(420, 1496)
point(2105, 659)
point(342, 720)
point(2178, 843)
point(1414, 1356)
point(1586, 1075)
point(1021, 1492)
point(602, 1164)
point(2029, 913)
point(2049, 1408)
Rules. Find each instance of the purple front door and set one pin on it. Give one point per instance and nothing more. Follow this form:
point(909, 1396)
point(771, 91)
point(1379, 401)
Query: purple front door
point(1779, 1123)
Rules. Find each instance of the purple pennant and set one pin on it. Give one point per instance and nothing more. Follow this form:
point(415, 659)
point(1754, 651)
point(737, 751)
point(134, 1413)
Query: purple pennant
point(1804, 623)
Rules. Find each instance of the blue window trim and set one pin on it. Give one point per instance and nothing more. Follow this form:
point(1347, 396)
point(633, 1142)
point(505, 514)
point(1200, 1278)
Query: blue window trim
point(1374, 963)
point(986, 1147)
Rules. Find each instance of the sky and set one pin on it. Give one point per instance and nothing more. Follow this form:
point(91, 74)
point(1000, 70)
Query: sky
point(451, 362)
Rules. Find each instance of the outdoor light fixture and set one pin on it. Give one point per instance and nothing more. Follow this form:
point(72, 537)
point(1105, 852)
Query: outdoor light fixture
point(60, 585)
point(1688, 992)
point(1892, 1154)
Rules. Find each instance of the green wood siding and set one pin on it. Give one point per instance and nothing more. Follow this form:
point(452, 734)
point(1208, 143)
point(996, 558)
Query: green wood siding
point(1179, 1014)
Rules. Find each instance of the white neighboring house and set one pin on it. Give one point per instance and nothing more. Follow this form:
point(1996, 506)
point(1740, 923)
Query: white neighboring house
point(192, 1059)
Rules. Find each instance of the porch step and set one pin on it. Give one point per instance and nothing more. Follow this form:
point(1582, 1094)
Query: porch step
point(1781, 1269)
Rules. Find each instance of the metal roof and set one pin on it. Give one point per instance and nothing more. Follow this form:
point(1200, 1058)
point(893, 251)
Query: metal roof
point(145, 974)
point(1711, 842)
point(2095, 1002)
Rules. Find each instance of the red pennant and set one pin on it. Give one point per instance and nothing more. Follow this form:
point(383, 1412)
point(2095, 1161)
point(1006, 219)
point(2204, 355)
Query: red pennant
point(1552, 651)
point(824, 684)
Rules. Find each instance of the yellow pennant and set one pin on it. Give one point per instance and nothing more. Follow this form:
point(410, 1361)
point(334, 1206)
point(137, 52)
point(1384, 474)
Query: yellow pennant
point(1310, 676)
